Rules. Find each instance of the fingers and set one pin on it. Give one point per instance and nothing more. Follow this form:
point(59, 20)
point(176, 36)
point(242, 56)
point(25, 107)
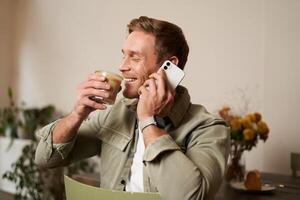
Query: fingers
point(150, 85)
point(94, 92)
point(95, 81)
point(90, 103)
point(142, 90)
point(155, 95)
point(165, 92)
point(163, 74)
point(161, 84)
point(161, 80)
point(95, 85)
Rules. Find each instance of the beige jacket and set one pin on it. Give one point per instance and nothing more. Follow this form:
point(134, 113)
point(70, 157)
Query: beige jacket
point(188, 163)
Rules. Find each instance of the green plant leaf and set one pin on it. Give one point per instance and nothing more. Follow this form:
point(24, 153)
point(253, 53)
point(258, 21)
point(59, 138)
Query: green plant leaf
point(9, 92)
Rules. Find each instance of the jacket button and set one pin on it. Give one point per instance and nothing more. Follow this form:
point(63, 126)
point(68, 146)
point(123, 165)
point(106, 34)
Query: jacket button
point(123, 182)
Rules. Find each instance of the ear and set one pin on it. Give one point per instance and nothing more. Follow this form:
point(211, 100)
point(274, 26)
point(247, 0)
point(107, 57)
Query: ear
point(174, 60)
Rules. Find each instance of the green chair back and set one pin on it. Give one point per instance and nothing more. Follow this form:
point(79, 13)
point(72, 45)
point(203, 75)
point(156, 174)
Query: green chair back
point(79, 191)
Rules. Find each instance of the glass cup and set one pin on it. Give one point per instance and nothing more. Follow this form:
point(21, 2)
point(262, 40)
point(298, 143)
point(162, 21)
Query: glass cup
point(114, 80)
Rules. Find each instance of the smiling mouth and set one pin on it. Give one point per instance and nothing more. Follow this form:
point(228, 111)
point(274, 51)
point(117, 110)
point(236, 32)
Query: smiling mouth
point(129, 80)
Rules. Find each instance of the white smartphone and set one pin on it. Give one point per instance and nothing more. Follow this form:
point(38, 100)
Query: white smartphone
point(173, 72)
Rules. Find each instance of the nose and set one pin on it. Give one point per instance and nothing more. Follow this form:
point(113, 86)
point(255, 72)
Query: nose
point(124, 65)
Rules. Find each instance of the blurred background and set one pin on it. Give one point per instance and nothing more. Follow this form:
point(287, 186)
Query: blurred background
point(243, 53)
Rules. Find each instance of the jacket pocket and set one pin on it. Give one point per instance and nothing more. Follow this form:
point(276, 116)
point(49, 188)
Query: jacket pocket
point(113, 137)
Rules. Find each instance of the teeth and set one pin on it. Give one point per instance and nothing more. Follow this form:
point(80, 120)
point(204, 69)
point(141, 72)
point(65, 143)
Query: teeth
point(130, 79)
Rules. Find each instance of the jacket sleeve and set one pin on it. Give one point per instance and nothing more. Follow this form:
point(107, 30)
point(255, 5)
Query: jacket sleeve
point(85, 144)
point(194, 174)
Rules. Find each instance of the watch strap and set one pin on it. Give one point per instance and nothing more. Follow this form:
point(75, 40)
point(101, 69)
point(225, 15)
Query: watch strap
point(147, 122)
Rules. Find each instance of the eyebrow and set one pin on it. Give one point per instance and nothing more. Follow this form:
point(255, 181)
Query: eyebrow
point(132, 52)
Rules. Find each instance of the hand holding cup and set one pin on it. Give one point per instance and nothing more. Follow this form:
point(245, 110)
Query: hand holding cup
point(99, 89)
point(114, 81)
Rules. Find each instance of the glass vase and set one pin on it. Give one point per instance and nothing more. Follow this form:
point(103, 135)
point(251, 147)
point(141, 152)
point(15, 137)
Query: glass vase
point(236, 167)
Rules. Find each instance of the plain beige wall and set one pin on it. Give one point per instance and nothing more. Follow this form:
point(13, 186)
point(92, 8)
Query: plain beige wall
point(244, 53)
point(282, 81)
point(6, 12)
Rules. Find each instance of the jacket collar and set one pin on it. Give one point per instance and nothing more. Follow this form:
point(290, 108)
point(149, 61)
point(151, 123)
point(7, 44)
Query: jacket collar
point(180, 107)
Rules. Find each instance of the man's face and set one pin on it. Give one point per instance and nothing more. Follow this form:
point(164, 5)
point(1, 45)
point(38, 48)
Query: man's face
point(139, 61)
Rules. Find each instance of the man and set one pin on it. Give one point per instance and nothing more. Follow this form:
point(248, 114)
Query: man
point(154, 139)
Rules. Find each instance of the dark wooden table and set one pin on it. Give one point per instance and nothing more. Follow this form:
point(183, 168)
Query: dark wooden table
point(290, 191)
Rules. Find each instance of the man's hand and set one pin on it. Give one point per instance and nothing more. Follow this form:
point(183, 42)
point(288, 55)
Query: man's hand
point(156, 96)
point(95, 85)
point(67, 127)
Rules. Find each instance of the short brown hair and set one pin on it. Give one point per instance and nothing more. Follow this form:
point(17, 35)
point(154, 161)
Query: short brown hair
point(169, 38)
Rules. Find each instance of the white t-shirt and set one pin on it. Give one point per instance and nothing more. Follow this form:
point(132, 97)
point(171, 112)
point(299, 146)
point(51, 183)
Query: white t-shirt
point(136, 181)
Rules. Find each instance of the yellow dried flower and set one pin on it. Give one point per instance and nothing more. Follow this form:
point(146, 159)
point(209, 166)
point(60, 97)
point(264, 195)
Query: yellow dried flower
point(226, 108)
point(246, 130)
point(257, 117)
point(248, 134)
point(235, 124)
point(250, 117)
point(262, 128)
point(224, 112)
point(247, 122)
